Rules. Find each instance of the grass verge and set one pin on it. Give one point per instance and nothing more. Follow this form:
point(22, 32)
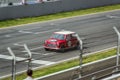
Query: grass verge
point(67, 64)
point(8, 23)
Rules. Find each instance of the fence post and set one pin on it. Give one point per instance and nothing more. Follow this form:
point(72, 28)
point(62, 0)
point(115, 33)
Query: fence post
point(29, 56)
point(118, 34)
point(80, 55)
point(13, 63)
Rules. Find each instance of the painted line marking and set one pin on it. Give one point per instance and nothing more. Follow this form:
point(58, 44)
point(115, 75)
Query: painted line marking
point(17, 44)
point(32, 28)
point(110, 16)
point(20, 44)
point(37, 48)
point(21, 31)
point(8, 36)
point(33, 60)
point(48, 53)
point(32, 53)
point(42, 62)
point(47, 31)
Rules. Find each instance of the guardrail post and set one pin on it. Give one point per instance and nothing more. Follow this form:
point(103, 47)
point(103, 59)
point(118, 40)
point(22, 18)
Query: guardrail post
point(29, 56)
point(80, 55)
point(118, 34)
point(13, 63)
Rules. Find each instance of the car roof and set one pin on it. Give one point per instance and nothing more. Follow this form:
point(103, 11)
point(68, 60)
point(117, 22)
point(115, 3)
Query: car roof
point(64, 32)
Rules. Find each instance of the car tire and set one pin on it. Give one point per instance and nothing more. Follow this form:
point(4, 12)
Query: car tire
point(46, 49)
point(62, 49)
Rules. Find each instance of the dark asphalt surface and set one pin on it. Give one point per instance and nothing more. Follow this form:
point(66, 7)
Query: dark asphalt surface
point(96, 31)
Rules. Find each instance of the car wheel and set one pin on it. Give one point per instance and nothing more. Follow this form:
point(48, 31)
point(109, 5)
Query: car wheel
point(46, 49)
point(62, 49)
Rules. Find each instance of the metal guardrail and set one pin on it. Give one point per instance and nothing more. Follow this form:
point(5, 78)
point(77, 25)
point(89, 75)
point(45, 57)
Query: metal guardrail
point(115, 68)
point(114, 77)
point(69, 72)
point(100, 71)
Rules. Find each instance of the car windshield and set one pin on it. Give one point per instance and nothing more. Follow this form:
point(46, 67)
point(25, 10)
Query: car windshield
point(58, 36)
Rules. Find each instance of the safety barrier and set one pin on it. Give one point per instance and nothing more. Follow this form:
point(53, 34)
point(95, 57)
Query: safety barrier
point(50, 7)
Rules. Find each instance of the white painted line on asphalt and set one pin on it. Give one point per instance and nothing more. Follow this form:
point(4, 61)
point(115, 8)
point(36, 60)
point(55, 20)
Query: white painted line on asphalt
point(111, 16)
point(10, 57)
point(8, 36)
point(48, 53)
point(5, 57)
point(43, 62)
point(20, 59)
point(33, 48)
point(17, 44)
point(32, 28)
point(47, 31)
point(21, 31)
point(32, 53)
point(37, 48)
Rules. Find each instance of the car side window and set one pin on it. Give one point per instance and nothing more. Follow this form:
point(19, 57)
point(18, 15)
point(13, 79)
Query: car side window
point(74, 35)
point(68, 37)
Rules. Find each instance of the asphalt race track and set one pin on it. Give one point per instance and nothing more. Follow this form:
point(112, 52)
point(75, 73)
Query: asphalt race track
point(95, 30)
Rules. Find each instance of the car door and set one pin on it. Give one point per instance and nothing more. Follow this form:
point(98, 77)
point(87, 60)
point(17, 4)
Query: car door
point(69, 40)
point(73, 40)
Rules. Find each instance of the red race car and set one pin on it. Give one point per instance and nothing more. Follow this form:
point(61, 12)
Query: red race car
point(61, 40)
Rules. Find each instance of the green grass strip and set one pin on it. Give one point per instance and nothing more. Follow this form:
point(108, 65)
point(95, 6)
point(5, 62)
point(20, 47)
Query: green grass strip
point(68, 64)
point(8, 23)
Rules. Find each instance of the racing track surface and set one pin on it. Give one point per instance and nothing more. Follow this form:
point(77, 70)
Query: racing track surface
point(95, 30)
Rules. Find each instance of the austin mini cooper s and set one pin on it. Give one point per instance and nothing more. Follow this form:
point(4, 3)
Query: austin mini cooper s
point(61, 41)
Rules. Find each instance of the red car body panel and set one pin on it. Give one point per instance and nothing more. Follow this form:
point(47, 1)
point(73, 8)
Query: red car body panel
point(61, 39)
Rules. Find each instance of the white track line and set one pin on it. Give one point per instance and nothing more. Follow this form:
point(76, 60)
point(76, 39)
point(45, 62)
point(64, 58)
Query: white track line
point(32, 28)
point(8, 36)
point(37, 48)
point(33, 60)
point(111, 16)
point(47, 31)
point(17, 44)
point(21, 31)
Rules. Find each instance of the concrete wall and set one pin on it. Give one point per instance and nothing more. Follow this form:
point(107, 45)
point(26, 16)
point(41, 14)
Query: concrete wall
point(50, 7)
